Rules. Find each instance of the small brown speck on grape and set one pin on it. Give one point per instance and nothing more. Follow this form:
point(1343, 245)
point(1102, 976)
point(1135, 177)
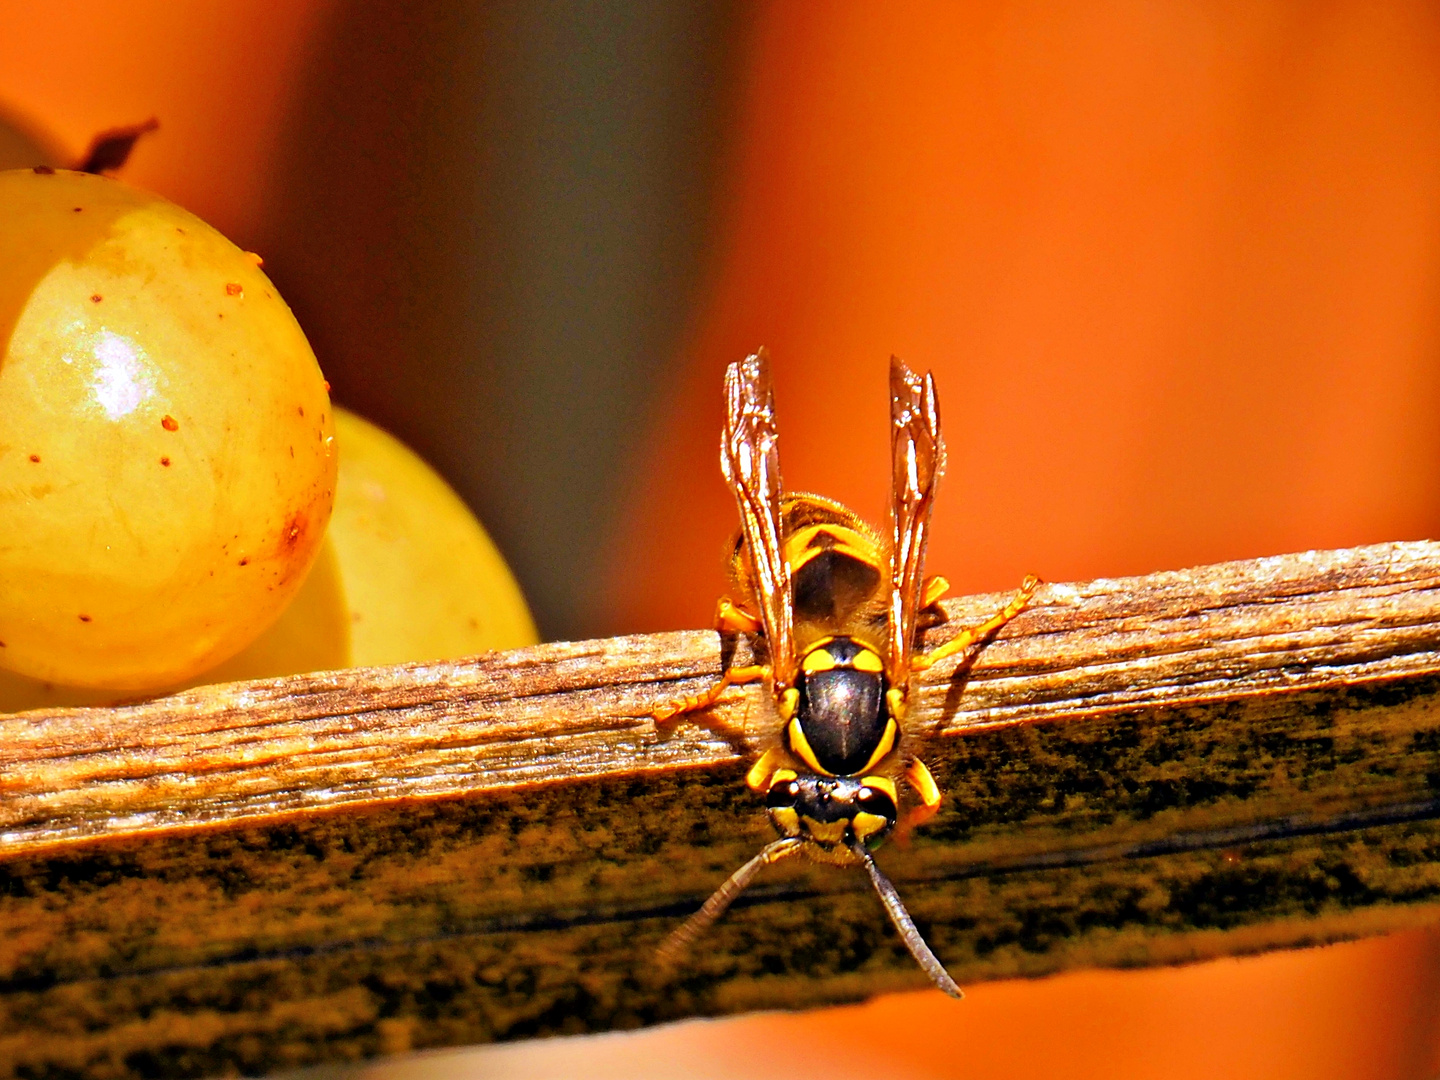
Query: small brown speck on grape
point(292, 451)
point(35, 458)
point(165, 461)
point(84, 618)
point(77, 209)
point(2, 644)
point(300, 409)
point(245, 561)
point(95, 298)
point(169, 423)
point(44, 170)
point(234, 288)
point(179, 230)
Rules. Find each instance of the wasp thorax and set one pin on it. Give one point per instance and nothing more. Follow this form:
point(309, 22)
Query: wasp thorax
point(829, 811)
point(842, 723)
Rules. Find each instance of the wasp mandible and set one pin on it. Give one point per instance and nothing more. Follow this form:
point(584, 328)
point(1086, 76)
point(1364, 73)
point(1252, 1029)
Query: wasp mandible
point(838, 609)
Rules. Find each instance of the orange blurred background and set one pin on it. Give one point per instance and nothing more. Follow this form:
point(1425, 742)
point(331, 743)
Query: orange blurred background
point(1176, 267)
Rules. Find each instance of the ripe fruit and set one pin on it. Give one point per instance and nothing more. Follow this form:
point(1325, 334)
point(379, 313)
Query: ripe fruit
point(422, 579)
point(167, 460)
point(405, 573)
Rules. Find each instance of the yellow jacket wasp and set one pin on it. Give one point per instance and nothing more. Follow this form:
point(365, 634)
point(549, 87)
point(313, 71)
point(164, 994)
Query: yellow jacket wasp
point(838, 610)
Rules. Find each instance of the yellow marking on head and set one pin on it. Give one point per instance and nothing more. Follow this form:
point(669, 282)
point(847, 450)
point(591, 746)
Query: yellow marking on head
point(817, 659)
point(884, 746)
point(867, 824)
point(800, 747)
point(882, 783)
point(868, 660)
point(827, 832)
point(786, 820)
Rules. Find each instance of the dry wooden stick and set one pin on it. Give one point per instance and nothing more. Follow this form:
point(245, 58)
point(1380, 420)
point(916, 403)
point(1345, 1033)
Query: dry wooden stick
point(246, 876)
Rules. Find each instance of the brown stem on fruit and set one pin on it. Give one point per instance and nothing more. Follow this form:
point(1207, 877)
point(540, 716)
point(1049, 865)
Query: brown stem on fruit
point(109, 150)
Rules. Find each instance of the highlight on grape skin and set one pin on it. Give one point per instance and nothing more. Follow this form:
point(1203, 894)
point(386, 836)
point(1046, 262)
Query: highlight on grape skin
point(167, 455)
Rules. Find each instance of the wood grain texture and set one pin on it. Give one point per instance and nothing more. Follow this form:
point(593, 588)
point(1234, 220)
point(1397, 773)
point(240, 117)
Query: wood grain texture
point(1141, 771)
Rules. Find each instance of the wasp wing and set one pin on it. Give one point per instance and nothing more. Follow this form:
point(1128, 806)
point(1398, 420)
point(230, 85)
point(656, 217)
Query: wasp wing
point(750, 460)
point(917, 459)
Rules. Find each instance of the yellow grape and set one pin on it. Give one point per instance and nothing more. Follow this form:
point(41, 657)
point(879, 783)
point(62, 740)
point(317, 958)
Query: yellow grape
point(406, 573)
point(167, 460)
point(422, 579)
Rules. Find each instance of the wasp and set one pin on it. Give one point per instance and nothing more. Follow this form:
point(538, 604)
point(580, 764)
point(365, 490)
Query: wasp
point(838, 610)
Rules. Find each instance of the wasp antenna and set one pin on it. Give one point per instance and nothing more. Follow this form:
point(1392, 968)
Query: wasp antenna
point(904, 924)
point(725, 895)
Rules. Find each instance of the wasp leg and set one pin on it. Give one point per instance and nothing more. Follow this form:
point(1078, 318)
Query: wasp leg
point(733, 677)
point(935, 588)
point(963, 640)
point(758, 778)
point(923, 784)
point(730, 619)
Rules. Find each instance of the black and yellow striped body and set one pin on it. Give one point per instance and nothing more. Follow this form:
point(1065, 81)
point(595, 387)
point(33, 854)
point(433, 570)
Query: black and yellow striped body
point(837, 716)
point(837, 569)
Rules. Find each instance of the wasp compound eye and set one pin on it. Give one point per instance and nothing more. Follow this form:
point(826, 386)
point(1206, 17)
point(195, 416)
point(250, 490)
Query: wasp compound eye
point(874, 801)
point(782, 794)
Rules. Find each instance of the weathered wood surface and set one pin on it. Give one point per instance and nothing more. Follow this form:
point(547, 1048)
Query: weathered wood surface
point(1140, 771)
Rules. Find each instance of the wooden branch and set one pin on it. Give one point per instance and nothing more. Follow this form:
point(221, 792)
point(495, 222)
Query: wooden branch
point(1142, 771)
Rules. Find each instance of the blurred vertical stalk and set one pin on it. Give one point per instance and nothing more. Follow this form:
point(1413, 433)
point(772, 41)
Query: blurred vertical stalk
point(491, 220)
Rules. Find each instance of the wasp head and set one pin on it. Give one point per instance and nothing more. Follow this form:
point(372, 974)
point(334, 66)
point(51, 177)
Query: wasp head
point(831, 812)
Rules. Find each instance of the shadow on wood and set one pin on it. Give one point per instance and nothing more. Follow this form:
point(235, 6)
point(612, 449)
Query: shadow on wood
point(263, 875)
